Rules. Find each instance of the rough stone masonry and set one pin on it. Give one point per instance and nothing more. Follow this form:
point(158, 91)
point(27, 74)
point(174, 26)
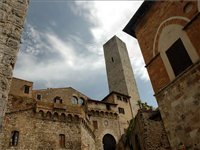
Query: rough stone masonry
point(12, 16)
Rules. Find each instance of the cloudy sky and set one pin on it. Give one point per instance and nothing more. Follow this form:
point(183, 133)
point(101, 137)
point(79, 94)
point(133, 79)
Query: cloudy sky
point(62, 45)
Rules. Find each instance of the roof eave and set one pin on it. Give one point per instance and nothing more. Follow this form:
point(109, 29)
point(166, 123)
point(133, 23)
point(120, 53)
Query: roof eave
point(130, 27)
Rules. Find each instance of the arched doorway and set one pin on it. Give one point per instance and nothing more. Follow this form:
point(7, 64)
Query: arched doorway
point(109, 142)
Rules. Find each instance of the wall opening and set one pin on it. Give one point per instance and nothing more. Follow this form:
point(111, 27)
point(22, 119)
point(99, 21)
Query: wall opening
point(62, 140)
point(26, 89)
point(14, 138)
point(109, 142)
point(178, 57)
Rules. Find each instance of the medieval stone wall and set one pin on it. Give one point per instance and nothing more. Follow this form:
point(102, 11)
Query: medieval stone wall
point(12, 16)
point(180, 107)
point(106, 125)
point(18, 85)
point(148, 132)
point(65, 94)
point(87, 139)
point(38, 131)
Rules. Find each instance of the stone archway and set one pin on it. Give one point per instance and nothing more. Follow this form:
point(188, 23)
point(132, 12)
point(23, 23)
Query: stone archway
point(109, 142)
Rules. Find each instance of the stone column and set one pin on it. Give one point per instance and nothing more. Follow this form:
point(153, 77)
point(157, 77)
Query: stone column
point(12, 16)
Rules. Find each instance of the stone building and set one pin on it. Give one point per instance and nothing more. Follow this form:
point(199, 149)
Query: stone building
point(148, 132)
point(168, 33)
point(64, 118)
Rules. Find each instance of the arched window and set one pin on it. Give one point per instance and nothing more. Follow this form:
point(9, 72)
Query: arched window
point(81, 101)
point(176, 50)
point(74, 100)
point(48, 115)
point(57, 99)
point(14, 138)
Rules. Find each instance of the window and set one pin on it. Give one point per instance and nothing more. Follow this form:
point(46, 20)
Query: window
point(26, 89)
point(74, 100)
point(95, 124)
point(62, 140)
point(178, 57)
point(125, 99)
point(14, 138)
point(57, 99)
point(121, 110)
point(81, 101)
point(112, 59)
point(108, 107)
point(119, 98)
point(39, 96)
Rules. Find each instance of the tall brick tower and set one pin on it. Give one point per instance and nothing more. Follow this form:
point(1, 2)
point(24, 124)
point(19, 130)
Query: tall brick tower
point(119, 71)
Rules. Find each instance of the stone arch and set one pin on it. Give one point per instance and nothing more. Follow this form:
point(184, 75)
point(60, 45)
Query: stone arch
point(102, 113)
point(69, 117)
point(74, 99)
point(55, 116)
point(41, 113)
point(106, 113)
point(97, 112)
point(168, 36)
point(180, 20)
point(76, 118)
point(81, 101)
point(63, 117)
point(109, 142)
point(92, 112)
point(48, 115)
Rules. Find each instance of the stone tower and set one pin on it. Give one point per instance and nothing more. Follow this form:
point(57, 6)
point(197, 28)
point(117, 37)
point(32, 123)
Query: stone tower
point(119, 71)
point(12, 16)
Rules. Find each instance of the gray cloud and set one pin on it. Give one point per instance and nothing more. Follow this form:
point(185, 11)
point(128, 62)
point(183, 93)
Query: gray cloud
point(62, 46)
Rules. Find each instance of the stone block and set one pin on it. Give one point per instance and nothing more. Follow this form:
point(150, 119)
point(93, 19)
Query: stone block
point(13, 43)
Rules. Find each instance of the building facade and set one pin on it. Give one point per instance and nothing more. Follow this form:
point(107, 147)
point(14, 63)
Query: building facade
point(168, 34)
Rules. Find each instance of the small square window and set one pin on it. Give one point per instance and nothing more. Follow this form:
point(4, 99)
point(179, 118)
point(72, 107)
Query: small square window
point(121, 110)
point(125, 99)
point(26, 89)
point(119, 98)
point(108, 107)
point(39, 96)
